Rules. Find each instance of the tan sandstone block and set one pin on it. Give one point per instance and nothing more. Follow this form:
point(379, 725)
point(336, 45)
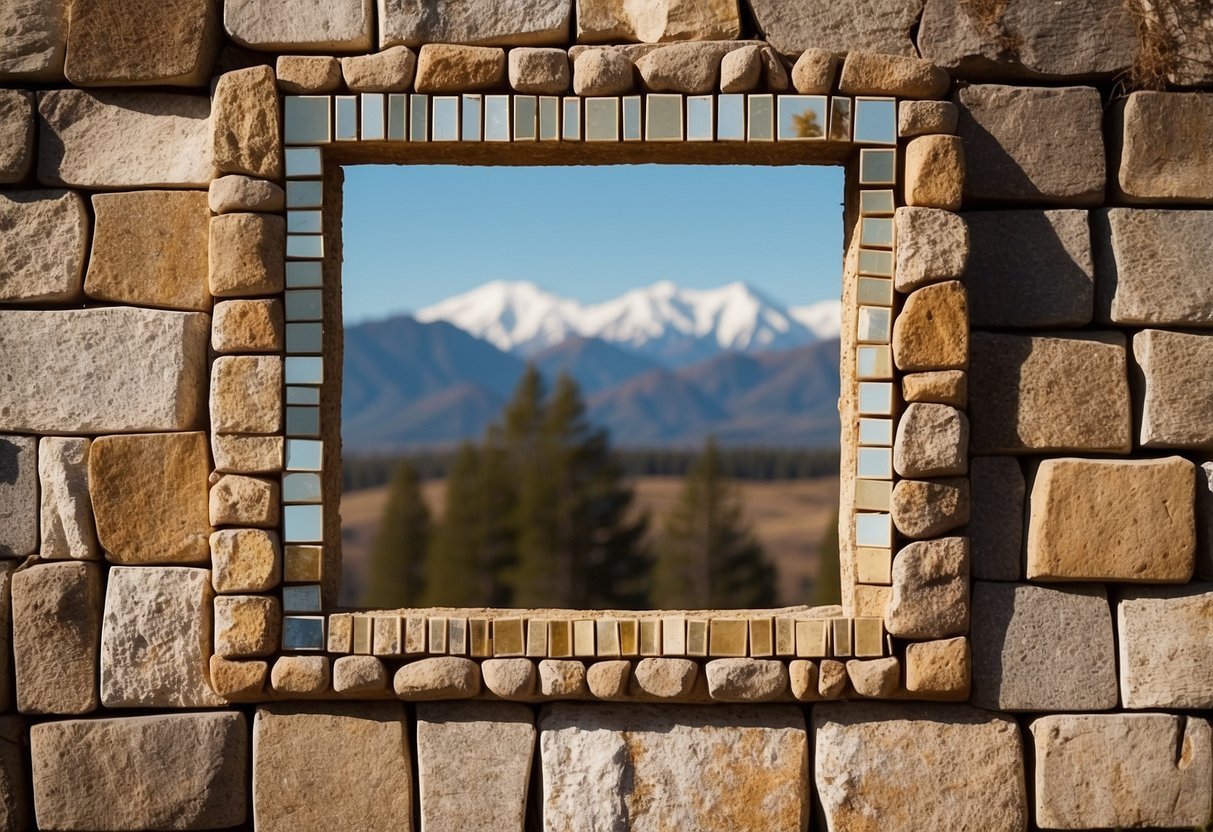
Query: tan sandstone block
point(149, 495)
point(610, 21)
point(1177, 403)
point(929, 508)
point(305, 676)
point(360, 675)
point(241, 326)
point(441, 677)
point(43, 246)
point(247, 626)
point(66, 516)
point(932, 246)
point(235, 193)
point(391, 70)
point(1163, 633)
point(610, 679)
point(949, 387)
point(16, 135)
point(814, 71)
point(246, 124)
point(932, 331)
point(1163, 152)
point(802, 680)
point(246, 394)
point(245, 560)
point(603, 72)
point(562, 679)
point(322, 767)
point(932, 441)
point(746, 680)
point(874, 678)
point(935, 172)
point(922, 118)
point(1112, 519)
point(141, 42)
point(308, 74)
point(510, 678)
point(150, 249)
point(517, 23)
point(930, 590)
point(303, 25)
point(938, 669)
point(247, 454)
point(741, 69)
point(33, 41)
point(18, 496)
point(443, 67)
point(236, 500)
point(831, 679)
point(539, 71)
point(247, 255)
point(664, 678)
point(870, 73)
point(239, 681)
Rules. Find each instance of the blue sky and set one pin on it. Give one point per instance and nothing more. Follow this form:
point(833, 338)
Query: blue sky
point(415, 235)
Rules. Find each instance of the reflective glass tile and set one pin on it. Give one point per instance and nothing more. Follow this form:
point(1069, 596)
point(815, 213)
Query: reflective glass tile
point(307, 119)
point(526, 118)
point(840, 637)
point(874, 463)
point(363, 634)
point(302, 523)
point(304, 338)
point(302, 564)
point(629, 637)
point(875, 121)
point(560, 639)
point(303, 161)
point(549, 118)
point(301, 633)
point(537, 638)
point(301, 487)
point(346, 122)
point(304, 304)
point(813, 638)
point(303, 274)
point(802, 117)
point(508, 637)
point(874, 362)
point(877, 167)
point(878, 263)
point(374, 116)
point(697, 637)
point(302, 421)
point(304, 454)
point(570, 122)
point(876, 432)
point(436, 641)
point(876, 398)
point(303, 395)
point(583, 638)
point(873, 495)
point(875, 324)
point(874, 530)
point(650, 637)
point(760, 124)
point(419, 118)
point(305, 598)
point(446, 118)
point(304, 369)
point(701, 119)
point(762, 637)
point(674, 636)
point(730, 118)
point(397, 117)
point(873, 565)
point(457, 636)
point(876, 232)
point(304, 193)
point(606, 633)
point(305, 246)
point(874, 291)
point(663, 118)
point(728, 638)
point(869, 637)
point(840, 119)
point(632, 131)
point(303, 222)
point(785, 637)
point(471, 121)
point(496, 118)
point(876, 203)
point(602, 119)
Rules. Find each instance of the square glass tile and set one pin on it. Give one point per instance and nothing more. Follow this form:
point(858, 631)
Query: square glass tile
point(304, 274)
point(570, 122)
point(346, 129)
point(419, 118)
point(875, 121)
point(303, 222)
point(840, 119)
point(304, 338)
point(761, 118)
point(876, 203)
point(877, 167)
point(874, 565)
point(302, 524)
point(873, 495)
point(701, 113)
point(374, 117)
point(303, 161)
point(471, 122)
point(873, 530)
point(304, 305)
point(302, 421)
point(301, 487)
point(307, 119)
point(397, 117)
point(874, 362)
point(304, 598)
point(526, 118)
point(302, 632)
point(303, 395)
point(632, 129)
point(602, 119)
point(876, 232)
point(496, 118)
point(730, 118)
point(876, 398)
point(874, 463)
point(446, 118)
point(875, 324)
point(305, 246)
point(663, 121)
point(304, 369)
point(302, 564)
point(304, 455)
point(304, 193)
point(874, 291)
point(802, 117)
point(876, 432)
point(877, 263)
point(549, 118)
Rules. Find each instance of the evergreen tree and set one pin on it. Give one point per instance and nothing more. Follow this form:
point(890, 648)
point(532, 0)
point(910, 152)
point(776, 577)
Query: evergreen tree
point(453, 561)
point(398, 553)
point(828, 589)
point(708, 557)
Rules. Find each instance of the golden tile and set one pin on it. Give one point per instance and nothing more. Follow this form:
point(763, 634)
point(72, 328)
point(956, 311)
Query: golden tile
point(872, 601)
point(537, 638)
point(869, 637)
point(481, 643)
point(674, 636)
point(761, 637)
point(437, 644)
point(873, 566)
point(629, 637)
point(583, 638)
point(387, 635)
point(697, 637)
point(813, 638)
point(363, 635)
point(457, 636)
point(785, 637)
point(840, 637)
point(560, 639)
point(607, 630)
point(301, 564)
point(508, 638)
point(650, 637)
point(728, 638)
point(341, 632)
point(873, 495)
point(414, 634)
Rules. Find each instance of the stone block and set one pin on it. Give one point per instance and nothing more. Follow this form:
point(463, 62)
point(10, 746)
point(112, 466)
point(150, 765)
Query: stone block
point(144, 43)
point(300, 25)
point(237, 500)
point(871, 73)
point(741, 69)
point(562, 679)
point(42, 249)
point(1122, 770)
point(932, 246)
point(66, 516)
point(802, 680)
point(391, 70)
point(444, 68)
point(935, 172)
point(929, 508)
point(1204, 520)
point(746, 680)
point(874, 678)
point(1112, 520)
point(1010, 155)
point(16, 135)
point(319, 767)
point(245, 560)
point(607, 766)
point(1162, 634)
point(149, 494)
point(360, 675)
point(517, 23)
point(1150, 266)
point(883, 26)
point(474, 765)
point(113, 140)
point(814, 72)
point(15, 798)
point(924, 767)
point(247, 255)
point(150, 249)
point(300, 676)
point(996, 518)
point(692, 68)
point(247, 626)
point(612, 21)
point(932, 330)
point(247, 454)
point(938, 669)
point(308, 74)
point(246, 124)
point(246, 394)
point(235, 193)
point(922, 118)
point(932, 441)
point(539, 71)
point(156, 638)
point(1031, 394)
point(239, 681)
point(1038, 648)
point(664, 678)
point(18, 496)
point(831, 679)
point(510, 678)
point(603, 72)
point(33, 41)
point(1163, 154)
point(169, 771)
point(930, 590)
point(1025, 39)
point(1030, 269)
point(56, 609)
point(243, 326)
point(949, 387)
point(1177, 389)
point(609, 679)
point(440, 677)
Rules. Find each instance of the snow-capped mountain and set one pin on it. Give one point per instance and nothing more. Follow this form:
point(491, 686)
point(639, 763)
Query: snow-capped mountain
point(673, 325)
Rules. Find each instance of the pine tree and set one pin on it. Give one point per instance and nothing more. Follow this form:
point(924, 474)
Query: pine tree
point(398, 553)
point(828, 588)
point(453, 561)
point(708, 558)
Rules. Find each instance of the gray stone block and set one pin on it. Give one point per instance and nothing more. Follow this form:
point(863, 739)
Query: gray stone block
point(18, 496)
point(996, 518)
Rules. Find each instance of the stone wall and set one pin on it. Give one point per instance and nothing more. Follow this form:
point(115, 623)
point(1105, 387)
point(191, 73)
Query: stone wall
point(1027, 423)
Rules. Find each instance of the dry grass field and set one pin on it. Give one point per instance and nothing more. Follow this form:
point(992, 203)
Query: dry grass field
point(788, 517)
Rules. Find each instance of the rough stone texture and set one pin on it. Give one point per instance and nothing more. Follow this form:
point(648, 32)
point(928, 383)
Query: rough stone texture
point(938, 387)
point(156, 638)
point(930, 589)
point(66, 516)
point(246, 394)
point(15, 808)
point(1164, 153)
point(1009, 158)
point(246, 255)
point(1122, 770)
point(611, 21)
point(150, 249)
point(442, 67)
point(539, 71)
point(884, 766)
point(1163, 633)
point(474, 765)
point(1150, 266)
point(33, 41)
point(113, 140)
point(814, 71)
point(1038, 648)
point(441, 677)
point(1030, 269)
point(510, 678)
point(247, 326)
point(874, 678)
point(1023, 38)
point(561, 679)
point(932, 246)
point(922, 118)
point(246, 124)
point(867, 26)
point(332, 766)
point(870, 73)
point(56, 609)
point(237, 500)
point(602, 72)
point(746, 680)
point(935, 172)
point(997, 491)
point(1177, 401)
point(234, 193)
point(247, 454)
point(300, 676)
point(170, 771)
point(146, 42)
point(391, 70)
point(932, 441)
point(18, 496)
point(929, 508)
point(1112, 519)
point(664, 678)
point(238, 681)
point(245, 560)
point(509, 23)
point(302, 25)
point(932, 330)
point(609, 679)
point(938, 669)
point(359, 675)
point(626, 766)
point(831, 679)
point(692, 68)
point(1042, 393)
point(308, 74)
point(42, 247)
point(741, 69)
point(149, 495)
point(16, 135)
point(1204, 520)
point(802, 680)
point(247, 626)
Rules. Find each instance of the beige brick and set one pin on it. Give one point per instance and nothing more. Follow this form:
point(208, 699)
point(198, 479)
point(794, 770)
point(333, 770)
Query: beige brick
point(1164, 155)
point(1163, 633)
point(141, 42)
point(247, 255)
point(308, 74)
point(247, 626)
point(391, 70)
point(932, 330)
point(247, 454)
point(246, 123)
point(930, 590)
point(245, 560)
point(871, 73)
point(1177, 404)
point(246, 394)
point(443, 68)
point(236, 500)
point(938, 669)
